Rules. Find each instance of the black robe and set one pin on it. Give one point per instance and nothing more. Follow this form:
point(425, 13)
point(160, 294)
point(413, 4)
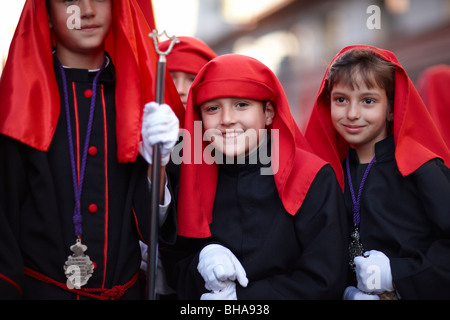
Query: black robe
point(37, 201)
point(285, 257)
point(408, 219)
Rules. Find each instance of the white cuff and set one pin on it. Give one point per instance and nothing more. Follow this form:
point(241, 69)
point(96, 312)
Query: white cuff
point(167, 199)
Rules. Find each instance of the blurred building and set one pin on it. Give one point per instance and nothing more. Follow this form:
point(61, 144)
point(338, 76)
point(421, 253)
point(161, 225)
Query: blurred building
point(298, 38)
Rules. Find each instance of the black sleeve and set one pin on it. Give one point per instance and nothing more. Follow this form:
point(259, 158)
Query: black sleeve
point(321, 228)
point(12, 188)
point(427, 275)
point(140, 193)
point(180, 262)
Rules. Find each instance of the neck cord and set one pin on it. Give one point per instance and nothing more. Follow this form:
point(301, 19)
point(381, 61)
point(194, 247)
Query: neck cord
point(356, 206)
point(78, 185)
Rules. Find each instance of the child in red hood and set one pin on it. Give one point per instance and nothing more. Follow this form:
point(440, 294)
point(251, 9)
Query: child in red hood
point(263, 223)
point(369, 122)
point(76, 134)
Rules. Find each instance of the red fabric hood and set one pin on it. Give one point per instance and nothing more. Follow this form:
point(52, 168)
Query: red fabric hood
point(30, 98)
point(416, 137)
point(190, 55)
point(433, 86)
point(240, 76)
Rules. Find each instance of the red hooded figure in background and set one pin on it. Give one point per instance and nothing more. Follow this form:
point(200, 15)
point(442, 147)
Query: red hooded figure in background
point(432, 86)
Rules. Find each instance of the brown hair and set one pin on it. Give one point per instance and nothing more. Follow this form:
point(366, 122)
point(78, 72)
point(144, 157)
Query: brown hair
point(374, 70)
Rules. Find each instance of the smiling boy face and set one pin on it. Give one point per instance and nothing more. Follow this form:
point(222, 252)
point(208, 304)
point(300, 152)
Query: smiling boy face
point(360, 115)
point(234, 125)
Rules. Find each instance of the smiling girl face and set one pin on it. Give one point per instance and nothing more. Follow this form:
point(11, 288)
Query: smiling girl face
point(234, 125)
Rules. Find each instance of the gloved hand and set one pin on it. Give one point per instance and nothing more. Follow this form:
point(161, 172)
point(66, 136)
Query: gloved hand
point(159, 125)
point(352, 293)
point(373, 272)
point(228, 293)
point(217, 265)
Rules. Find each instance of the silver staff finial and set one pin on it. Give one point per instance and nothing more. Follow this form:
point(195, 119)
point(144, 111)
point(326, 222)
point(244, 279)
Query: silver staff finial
point(173, 40)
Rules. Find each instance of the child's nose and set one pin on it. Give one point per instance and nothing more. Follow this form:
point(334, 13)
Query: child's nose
point(353, 112)
point(86, 8)
point(228, 116)
point(182, 87)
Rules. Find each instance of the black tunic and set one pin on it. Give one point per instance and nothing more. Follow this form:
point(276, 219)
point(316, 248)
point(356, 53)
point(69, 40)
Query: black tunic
point(37, 200)
point(408, 219)
point(285, 257)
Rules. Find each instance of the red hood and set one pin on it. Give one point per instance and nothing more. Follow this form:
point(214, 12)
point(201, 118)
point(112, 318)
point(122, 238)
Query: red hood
point(190, 55)
point(30, 98)
point(416, 137)
point(241, 76)
point(433, 85)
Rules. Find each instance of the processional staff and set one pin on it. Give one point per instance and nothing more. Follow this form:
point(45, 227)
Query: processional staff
point(152, 262)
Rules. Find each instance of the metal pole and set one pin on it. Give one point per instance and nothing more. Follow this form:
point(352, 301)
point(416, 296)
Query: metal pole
point(152, 262)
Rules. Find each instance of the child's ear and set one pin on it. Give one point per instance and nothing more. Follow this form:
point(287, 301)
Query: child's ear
point(269, 113)
point(390, 114)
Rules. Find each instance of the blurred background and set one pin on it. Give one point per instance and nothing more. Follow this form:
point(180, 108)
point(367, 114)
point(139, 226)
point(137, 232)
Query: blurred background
point(298, 38)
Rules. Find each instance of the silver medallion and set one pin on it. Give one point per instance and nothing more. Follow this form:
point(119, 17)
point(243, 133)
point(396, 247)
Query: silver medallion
point(355, 247)
point(78, 267)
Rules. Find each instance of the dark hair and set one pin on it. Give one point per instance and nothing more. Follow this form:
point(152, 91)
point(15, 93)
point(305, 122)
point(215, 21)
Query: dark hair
point(374, 70)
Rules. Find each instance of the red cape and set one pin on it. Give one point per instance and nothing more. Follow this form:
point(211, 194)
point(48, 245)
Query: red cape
point(147, 9)
point(433, 86)
point(245, 77)
point(417, 138)
point(30, 105)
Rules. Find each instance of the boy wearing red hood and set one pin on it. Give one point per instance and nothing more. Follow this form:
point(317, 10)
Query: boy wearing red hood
point(76, 145)
point(259, 215)
point(370, 123)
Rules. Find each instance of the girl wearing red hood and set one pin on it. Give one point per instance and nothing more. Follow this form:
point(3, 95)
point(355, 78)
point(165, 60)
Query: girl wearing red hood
point(75, 147)
point(261, 218)
point(369, 122)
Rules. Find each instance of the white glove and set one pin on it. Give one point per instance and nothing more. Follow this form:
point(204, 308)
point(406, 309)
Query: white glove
point(373, 272)
point(217, 265)
point(228, 293)
point(352, 293)
point(159, 125)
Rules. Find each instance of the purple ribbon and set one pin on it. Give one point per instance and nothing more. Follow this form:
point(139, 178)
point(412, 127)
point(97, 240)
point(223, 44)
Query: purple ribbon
point(78, 186)
point(356, 206)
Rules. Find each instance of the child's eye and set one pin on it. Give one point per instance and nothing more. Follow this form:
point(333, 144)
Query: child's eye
point(211, 108)
point(340, 100)
point(368, 101)
point(241, 104)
